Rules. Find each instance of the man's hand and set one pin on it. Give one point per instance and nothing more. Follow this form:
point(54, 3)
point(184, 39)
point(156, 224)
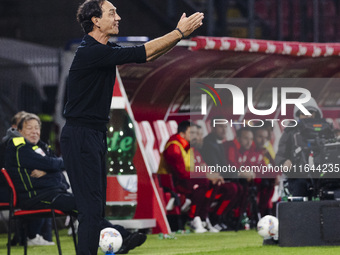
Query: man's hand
point(189, 24)
point(215, 179)
point(37, 173)
point(288, 164)
point(161, 45)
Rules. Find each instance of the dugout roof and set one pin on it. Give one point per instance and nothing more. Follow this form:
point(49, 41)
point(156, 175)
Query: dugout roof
point(160, 89)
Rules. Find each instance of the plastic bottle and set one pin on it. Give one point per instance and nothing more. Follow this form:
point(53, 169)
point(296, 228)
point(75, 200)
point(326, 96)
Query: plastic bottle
point(122, 175)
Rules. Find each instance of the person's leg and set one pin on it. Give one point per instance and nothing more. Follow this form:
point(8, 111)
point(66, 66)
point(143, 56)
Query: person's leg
point(19, 234)
point(226, 195)
point(34, 227)
point(34, 232)
point(130, 240)
point(52, 199)
point(65, 202)
point(46, 230)
point(200, 198)
point(106, 224)
point(265, 193)
point(83, 151)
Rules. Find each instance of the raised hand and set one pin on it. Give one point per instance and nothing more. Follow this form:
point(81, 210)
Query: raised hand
point(189, 24)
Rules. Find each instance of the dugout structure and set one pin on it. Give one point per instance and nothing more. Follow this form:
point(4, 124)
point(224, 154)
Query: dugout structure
point(158, 92)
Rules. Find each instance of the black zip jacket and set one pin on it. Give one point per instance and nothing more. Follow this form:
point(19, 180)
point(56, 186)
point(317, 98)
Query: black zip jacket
point(22, 158)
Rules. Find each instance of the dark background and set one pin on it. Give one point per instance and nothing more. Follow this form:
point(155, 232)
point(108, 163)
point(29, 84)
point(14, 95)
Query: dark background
point(53, 22)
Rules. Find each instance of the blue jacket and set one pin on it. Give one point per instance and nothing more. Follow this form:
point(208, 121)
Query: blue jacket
point(22, 158)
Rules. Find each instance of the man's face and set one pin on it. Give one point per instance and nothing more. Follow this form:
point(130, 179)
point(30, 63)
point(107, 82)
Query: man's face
point(31, 131)
point(220, 131)
point(246, 139)
point(200, 136)
point(191, 135)
point(261, 137)
point(109, 22)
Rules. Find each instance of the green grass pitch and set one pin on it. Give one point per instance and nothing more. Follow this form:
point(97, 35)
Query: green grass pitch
point(242, 242)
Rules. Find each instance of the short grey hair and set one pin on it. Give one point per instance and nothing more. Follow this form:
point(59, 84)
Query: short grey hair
point(27, 117)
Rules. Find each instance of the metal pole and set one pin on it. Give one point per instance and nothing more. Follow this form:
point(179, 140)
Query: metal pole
point(316, 21)
point(251, 19)
point(279, 19)
point(210, 18)
point(303, 21)
point(291, 20)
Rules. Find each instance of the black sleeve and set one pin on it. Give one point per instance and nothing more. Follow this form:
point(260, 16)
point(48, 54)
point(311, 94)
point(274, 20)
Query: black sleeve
point(208, 154)
point(106, 56)
point(212, 153)
point(2, 154)
point(26, 157)
point(284, 150)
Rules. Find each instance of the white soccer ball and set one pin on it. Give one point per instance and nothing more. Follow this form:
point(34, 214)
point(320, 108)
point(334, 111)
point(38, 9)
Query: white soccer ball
point(268, 226)
point(110, 240)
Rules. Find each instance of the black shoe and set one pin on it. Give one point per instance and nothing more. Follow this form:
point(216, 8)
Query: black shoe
point(131, 242)
point(270, 241)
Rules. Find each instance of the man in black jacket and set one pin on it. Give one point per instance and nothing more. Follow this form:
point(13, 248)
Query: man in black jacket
point(90, 86)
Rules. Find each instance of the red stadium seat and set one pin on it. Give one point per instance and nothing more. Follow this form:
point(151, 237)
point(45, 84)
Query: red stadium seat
point(172, 127)
point(148, 139)
point(162, 133)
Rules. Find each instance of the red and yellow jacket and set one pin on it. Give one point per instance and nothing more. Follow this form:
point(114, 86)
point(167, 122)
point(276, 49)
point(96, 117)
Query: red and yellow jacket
point(176, 157)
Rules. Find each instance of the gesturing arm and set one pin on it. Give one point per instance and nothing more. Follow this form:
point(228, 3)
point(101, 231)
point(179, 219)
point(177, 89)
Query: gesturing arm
point(26, 157)
point(159, 46)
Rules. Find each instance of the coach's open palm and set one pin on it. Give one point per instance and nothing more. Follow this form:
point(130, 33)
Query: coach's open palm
point(189, 24)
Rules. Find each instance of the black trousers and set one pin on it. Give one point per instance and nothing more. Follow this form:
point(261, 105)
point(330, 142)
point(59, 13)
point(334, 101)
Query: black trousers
point(51, 199)
point(83, 150)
